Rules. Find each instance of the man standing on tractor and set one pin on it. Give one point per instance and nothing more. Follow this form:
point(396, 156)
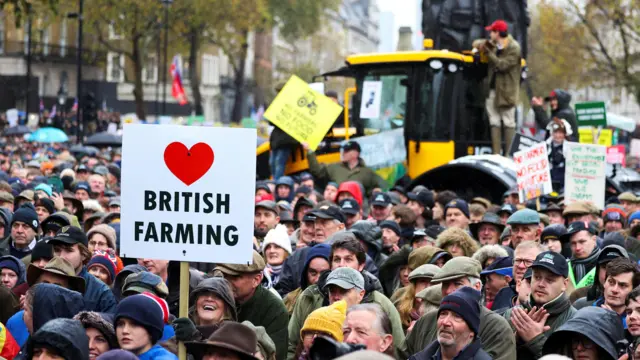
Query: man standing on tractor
point(503, 83)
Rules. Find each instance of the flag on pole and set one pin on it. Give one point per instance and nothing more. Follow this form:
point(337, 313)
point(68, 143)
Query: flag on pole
point(177, 90)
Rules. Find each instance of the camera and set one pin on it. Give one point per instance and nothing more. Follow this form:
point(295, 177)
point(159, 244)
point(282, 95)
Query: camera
point(325, 348)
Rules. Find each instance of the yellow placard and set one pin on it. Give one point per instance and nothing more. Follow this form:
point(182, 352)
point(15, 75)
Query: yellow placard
point(303, 113)
point(586, 136)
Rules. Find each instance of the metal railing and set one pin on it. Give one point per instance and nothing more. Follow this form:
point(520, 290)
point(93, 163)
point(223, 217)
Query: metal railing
point(46, 52)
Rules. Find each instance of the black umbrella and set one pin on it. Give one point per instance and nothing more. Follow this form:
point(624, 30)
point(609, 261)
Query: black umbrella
point(17, 130)
point(81, 149)
point(104, 139)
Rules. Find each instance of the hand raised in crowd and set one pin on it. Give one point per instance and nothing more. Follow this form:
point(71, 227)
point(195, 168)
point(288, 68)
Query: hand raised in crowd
point(537, 101)
point(58, 201)
point(526, 328)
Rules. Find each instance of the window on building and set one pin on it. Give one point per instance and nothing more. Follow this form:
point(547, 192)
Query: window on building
point(63, 37)
point(115, 67)
point(210, 70)
point(150, 69)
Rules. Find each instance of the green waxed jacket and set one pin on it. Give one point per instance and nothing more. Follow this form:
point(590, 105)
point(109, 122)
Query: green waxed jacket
point(559, 309)
point(495, 334)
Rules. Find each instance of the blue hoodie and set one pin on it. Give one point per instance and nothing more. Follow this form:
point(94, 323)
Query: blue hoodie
point(157, 352)
point(287, 181)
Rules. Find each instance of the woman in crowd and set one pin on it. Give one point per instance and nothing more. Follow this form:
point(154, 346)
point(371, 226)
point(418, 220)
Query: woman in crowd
point(405, 299)
point(276, 248)
point(99, 330)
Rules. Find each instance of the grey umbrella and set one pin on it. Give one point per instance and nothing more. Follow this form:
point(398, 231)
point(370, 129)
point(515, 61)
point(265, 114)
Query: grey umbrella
point(104, 139)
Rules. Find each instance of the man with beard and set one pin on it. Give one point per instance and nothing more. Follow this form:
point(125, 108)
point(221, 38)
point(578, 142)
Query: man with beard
point(457, 322)
point(265, 218)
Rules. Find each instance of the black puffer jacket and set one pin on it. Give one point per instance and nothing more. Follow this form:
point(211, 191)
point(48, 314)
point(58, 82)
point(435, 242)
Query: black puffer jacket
point(602, 327)
point(564, 111)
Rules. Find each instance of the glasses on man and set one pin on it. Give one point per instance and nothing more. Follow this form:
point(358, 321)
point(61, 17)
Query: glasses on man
point(525, 262)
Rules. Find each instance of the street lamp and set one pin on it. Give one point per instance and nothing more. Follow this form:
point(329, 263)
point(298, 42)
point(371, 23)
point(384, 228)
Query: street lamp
point(166, 4)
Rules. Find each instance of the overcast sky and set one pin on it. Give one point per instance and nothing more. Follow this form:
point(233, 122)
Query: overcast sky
point(404, 12)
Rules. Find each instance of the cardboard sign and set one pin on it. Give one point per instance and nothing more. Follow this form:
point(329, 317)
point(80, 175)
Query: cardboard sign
point(188, 193)
point(592, 113)
point(521, 142)
point(585, 174)
point(371, 97)
point(302, 112)
point(532, 172)
point(617, 154)
point(384, 149)
point(605, 136)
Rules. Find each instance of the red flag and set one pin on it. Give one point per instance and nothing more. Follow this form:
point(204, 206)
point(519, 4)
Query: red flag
point(177, 90)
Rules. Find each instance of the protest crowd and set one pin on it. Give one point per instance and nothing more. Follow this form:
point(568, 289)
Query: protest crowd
point(409, 273)
point(342, 267)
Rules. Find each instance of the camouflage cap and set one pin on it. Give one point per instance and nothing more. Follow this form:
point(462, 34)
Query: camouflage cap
point(458, 267)
point(256, 266)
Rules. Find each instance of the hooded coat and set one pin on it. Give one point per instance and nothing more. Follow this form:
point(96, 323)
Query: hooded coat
point(388, 274)
point(314, 297)
point(495, 335)
point(101, 322)
point(603, 327)
point(320, 250)
point(53, 302)
point(353, 188)
point(22, 274)
point(287, 181)
point(66, 336)
point(455, 236)
point(563, 111)
point(595, 291)
point(559, 310)
point(221, 288)
point(370, 233)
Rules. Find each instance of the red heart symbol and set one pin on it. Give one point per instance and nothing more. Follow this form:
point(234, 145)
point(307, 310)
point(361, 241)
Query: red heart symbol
point(188, 165)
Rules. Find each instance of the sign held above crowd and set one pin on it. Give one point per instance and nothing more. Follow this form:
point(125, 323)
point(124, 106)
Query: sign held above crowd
point(302, 112)
point(532, 172)
point(585, 174)
point(184, 197)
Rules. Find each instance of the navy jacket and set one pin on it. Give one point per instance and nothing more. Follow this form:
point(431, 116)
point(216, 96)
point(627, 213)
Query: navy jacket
point(472, 351)
point(97, 296)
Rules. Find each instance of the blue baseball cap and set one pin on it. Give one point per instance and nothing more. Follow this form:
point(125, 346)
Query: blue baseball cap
point(501, 266)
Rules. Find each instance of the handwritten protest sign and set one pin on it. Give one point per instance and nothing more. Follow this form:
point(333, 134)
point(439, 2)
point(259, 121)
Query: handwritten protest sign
point(617, 155)
point(302, 112)
point(532, 172)
point(185, 197)
point(585, 174)
point(521, 142)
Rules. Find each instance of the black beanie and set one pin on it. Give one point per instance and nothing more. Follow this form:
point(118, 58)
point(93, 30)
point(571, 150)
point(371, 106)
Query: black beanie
point(464, 302)
point(146, 309)
point(47, 204)
point(26, 214)
point(42, 250)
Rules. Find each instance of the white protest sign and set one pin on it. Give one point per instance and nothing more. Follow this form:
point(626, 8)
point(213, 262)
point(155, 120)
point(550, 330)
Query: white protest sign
point(188, 193)
point(384, 149)
point(634, 148)
point(532, 172)
point(371, 97)
point(585, 174)
point(12, 117)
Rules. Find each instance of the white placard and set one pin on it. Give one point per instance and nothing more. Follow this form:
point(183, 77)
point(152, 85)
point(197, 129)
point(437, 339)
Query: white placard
point(317, 86)
point(634, 148)
point(532, 172)
point(384, 149)
point(12, 117)
point(585, 175)
point(371, 97)
point(188, 193)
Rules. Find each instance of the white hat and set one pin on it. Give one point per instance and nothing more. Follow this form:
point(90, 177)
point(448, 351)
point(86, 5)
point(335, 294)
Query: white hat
point(278, 236)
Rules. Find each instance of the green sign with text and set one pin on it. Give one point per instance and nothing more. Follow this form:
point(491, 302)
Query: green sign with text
point(592, 113)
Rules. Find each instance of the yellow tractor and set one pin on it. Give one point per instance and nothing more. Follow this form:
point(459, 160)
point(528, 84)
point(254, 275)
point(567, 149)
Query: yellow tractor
point(434, 95)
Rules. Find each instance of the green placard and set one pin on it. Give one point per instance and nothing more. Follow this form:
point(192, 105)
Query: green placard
point(593, 113)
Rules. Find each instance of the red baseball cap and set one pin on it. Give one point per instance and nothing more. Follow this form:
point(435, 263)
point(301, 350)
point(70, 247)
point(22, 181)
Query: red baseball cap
point(498, 25)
